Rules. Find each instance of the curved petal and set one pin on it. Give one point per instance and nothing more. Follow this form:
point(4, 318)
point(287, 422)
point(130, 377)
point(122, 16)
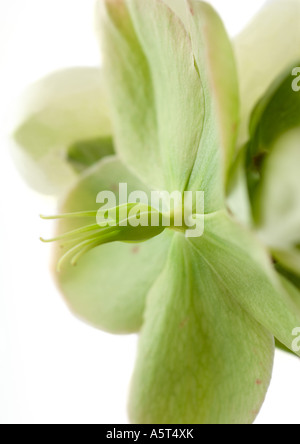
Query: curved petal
point(109, 285)
point(263, 50)
point(202, 359)
point(246, 271)
point(65, 123)
point(154, 90)
point(163, 112)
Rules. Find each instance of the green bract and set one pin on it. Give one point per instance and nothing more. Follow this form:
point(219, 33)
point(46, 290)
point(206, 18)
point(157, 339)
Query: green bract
point(188, 111)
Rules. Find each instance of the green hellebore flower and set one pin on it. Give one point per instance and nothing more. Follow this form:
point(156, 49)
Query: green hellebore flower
point(207, 308)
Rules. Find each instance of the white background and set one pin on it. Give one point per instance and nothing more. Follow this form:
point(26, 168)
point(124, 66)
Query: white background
point(53, 368)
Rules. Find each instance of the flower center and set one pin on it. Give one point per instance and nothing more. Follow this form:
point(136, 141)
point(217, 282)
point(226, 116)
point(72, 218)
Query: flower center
point(132, 222)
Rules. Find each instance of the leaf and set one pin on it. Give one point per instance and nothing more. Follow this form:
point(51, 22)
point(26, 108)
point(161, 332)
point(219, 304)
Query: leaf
point(109, 285)
point(66, 109)
point(215, 63)
point(246, 271)
point(201, 358)
point(268, 46)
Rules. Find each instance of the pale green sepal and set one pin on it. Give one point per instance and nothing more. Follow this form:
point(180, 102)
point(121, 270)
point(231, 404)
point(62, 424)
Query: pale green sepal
point(64, 109)
point(155, 91)
point(109, 285)
point(216, 66)
point(201, 359)
point(246, 271)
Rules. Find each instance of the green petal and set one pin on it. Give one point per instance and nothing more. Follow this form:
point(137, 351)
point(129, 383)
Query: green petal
point(156, 95)
point(282, 347)
point(163, 116)
point(269, 45)
point(201, 358)
point(109, 285)
point(65, 126)
point(215, 62)
point(246, 271)
point(179, 7)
